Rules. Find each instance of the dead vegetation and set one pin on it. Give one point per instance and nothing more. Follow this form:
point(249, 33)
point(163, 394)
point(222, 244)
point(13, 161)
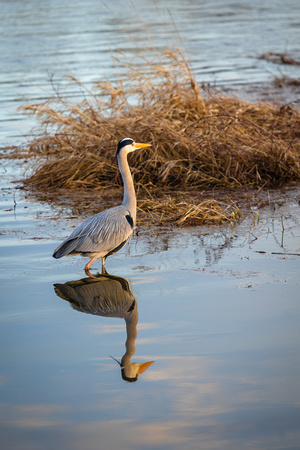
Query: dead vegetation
point(286, 81)
point(199, 140)
point(279, 58)
point(189, 212)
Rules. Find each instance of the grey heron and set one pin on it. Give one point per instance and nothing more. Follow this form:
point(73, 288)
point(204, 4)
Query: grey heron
point(106, 233)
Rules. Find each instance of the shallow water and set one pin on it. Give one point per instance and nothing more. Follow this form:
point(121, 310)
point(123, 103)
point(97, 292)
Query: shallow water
point(41, 40)
point(216, 308)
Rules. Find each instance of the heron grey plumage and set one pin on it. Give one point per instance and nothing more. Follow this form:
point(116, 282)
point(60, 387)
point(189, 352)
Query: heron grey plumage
point(106, 233)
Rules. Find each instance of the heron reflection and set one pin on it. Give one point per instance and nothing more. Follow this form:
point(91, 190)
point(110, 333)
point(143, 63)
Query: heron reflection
point(108, 296)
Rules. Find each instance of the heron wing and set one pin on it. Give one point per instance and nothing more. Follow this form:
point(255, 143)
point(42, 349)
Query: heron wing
point(101, 233)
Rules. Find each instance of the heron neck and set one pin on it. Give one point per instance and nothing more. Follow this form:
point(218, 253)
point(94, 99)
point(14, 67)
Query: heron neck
point(129, 199)
point(131, 329)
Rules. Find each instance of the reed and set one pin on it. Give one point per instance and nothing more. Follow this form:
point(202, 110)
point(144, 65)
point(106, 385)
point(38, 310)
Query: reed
point(200, 139)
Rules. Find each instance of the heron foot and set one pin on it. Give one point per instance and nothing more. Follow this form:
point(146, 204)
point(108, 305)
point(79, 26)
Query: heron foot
point(88, 273)
point(87, 268)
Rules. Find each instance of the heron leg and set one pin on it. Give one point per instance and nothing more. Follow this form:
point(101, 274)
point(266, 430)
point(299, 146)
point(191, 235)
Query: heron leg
point(87, 268)
point(103, 266)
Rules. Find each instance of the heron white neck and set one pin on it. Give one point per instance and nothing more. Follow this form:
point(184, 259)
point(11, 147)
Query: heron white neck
point(129, 199)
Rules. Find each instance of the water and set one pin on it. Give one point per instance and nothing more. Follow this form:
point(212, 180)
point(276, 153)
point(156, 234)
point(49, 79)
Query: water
point(215, 308)
point(41, 39)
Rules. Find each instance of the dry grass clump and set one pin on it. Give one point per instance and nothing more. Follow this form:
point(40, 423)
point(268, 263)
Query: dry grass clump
point(190, 212)
point(197, 141)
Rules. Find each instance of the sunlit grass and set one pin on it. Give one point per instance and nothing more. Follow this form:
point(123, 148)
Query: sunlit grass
point(200, 139)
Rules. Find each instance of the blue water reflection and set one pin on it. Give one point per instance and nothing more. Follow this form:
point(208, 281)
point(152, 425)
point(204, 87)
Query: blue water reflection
point(223, 331)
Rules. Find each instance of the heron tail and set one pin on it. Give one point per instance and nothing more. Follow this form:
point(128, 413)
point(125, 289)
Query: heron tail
point(66, 248)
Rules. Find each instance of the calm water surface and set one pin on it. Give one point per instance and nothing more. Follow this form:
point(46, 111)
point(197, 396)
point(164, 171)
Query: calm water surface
point(41, 39)
point(216, 309)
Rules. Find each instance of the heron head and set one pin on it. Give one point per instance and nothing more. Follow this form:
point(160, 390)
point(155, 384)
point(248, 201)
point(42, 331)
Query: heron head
point(131, 371)
point(129, 145)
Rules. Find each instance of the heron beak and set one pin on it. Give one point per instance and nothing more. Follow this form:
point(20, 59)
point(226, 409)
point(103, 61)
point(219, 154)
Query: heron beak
point(144, 366)
point(141, 145)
